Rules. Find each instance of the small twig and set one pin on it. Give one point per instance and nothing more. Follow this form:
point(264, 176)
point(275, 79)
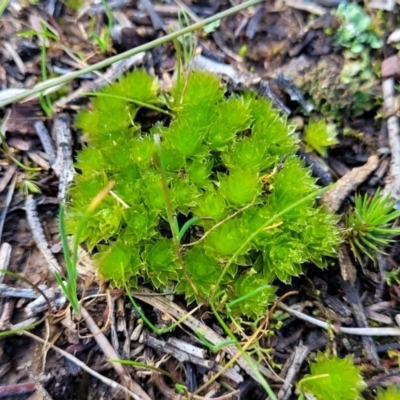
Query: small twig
point(77, 63)
point(111, 354)
point(393, 180)
point(6, 305)
point(45, 139)
point(113, 73)
point(172, 395)
point(263, 89)
point(349, 331)
point(39, 386)
point(16, 58)
point(294, 364)
point(358, 311)
point(188, 355)
point(38, 159)
point(347, 268)
point(24, 324)
point(171, 308)
point(219, 41)
point(319, 168)
point(79, 363)
point(63, 165)
point(5, 254)
point(254, 21)
point(38, 235)
point(187, 347)
point(17, 389)
point(8, 199)
point(305, 5)
point(6, 313)
point(156, 20)
point(8, 174)
point(96, 9)
point(113, 328)
point(57, 300)
point(334, 197)
point(179, 354)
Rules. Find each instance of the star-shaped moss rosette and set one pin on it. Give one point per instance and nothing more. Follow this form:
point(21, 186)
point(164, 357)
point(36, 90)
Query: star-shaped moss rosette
point(332, 378)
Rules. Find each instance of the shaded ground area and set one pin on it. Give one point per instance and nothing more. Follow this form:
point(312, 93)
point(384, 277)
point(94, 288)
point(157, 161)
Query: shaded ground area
point(285, 53)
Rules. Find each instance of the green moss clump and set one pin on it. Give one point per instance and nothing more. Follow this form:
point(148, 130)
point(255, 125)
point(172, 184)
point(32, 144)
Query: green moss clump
point(391, 393)
point(229, 160)
point(333, 378)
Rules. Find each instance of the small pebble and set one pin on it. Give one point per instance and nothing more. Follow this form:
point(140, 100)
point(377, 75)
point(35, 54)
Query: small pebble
point(56, 248)
point(391, 67)
point(298, 122)
point(384, 150)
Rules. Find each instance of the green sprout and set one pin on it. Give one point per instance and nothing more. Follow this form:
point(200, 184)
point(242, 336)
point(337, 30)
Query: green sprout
point(104, 39)
point(45, 100)
point(319, 136)
point(369, 225)
point(243, 50)
point(393, 277)
point(26, 182)
point(186, 40)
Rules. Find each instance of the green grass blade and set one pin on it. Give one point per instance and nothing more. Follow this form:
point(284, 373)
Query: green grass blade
point(64, 239)
point(186, 226)
point(145, 47)
point(128, 99)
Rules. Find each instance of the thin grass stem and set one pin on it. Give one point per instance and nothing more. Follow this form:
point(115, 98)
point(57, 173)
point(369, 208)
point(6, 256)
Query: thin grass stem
point(145, 47)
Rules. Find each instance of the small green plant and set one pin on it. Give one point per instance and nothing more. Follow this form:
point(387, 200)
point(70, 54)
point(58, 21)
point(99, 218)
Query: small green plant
point(222, 167)
point(103, 40)
point(347, 84)
point(355, 32)
point(26, 182)
point(243, 50)
point(391, 393)
point(357, 35)
point(319, 136)
point(68, 287)
point(369, 225)
point(339, 87)
point(186, 40)
point(393, 277)
point(45, 100)
point(332, 378)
